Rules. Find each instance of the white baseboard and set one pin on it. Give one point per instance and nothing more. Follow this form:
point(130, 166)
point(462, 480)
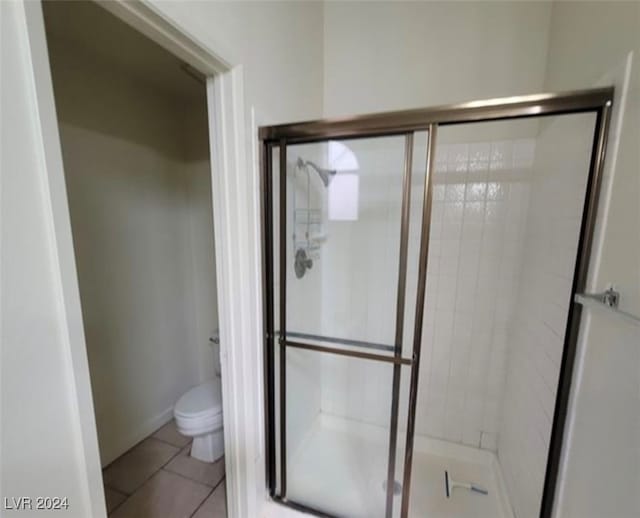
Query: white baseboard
point(128, 440)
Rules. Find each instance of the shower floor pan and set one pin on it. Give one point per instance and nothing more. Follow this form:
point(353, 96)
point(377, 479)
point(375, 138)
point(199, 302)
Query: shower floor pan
point(339, 466)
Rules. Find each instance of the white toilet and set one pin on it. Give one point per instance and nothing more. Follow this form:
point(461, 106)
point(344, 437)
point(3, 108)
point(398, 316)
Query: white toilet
point(198, 414)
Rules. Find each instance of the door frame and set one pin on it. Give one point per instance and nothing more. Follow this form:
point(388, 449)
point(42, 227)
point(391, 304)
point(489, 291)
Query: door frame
point(598, 101)
point(234, 177)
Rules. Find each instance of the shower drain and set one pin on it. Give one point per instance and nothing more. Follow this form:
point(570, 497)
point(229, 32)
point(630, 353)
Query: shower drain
point(397, 487)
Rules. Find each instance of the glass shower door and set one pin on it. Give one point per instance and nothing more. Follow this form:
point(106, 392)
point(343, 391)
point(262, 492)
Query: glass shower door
point(356, 230)
point(348, 232)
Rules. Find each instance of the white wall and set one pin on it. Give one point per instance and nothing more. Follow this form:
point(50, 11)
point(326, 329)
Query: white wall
point(144, 264)
point(601, 477)
point(602, 35)
point(43, 448)
point(279, 45)
point(197, 167)
point(396, 55)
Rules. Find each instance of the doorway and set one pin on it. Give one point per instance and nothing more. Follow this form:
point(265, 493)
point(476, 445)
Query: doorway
point(421, 270)
point(134, 132)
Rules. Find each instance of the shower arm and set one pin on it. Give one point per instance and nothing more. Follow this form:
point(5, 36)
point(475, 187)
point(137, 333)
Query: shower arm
point(326, 175)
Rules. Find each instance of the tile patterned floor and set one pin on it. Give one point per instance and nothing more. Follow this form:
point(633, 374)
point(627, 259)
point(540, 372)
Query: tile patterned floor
point(158, 479)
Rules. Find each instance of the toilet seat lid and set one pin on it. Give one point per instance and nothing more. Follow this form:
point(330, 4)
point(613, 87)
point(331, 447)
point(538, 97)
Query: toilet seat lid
point(204, 399)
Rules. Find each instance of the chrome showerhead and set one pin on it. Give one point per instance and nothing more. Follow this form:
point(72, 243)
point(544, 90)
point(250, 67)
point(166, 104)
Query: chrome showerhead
point(326, 175)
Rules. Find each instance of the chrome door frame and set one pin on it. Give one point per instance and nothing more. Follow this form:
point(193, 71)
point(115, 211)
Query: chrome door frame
point(598, 101)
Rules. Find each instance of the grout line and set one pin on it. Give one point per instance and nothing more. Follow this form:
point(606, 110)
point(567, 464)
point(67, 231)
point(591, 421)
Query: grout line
point(126, 497)
point(150, 436)
point(169, 443)
point(153, 435)
point(145, 480)
point(452, 346)
point(202, 503)
point(117, 490)
point(208, 495)
point(108, 486)
point(492, 346)
point(168, 470)
point(117, 507)
point(474, 316)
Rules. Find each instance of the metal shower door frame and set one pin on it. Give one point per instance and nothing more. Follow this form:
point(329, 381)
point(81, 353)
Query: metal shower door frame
point(598, 101)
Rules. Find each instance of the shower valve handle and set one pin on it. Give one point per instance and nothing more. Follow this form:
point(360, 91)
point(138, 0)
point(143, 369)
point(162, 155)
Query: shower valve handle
point(302, 263)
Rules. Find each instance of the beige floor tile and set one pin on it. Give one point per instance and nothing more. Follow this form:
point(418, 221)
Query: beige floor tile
point(215, 506)
point(169, 433)
point(203, 472)
point(165, 495)
point(130, 471)
point(114, 498)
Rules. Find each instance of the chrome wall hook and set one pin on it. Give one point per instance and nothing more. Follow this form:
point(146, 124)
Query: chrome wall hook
point(610, 297)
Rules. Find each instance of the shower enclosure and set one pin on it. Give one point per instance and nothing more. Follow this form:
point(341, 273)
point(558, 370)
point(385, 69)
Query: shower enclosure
point(420, 270)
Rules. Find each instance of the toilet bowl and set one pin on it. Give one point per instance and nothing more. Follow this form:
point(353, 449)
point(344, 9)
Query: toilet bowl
point(198, 414)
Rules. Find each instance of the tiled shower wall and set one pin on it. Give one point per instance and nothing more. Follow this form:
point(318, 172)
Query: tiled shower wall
point(480, 201)
point(537, 336)
point(479, 208)
point(359, 264)
point(505, 221)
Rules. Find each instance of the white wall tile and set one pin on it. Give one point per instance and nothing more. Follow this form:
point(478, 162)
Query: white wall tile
point(536, 337)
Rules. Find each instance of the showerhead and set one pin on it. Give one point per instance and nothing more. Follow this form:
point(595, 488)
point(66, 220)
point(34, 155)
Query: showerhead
point(326, 175)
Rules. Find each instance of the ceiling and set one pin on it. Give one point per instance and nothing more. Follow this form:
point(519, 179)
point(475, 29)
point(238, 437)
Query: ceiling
point(88, 26)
